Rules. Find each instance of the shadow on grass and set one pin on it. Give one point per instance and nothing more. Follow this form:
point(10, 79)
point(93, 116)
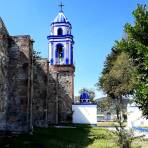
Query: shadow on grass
point(78, 137)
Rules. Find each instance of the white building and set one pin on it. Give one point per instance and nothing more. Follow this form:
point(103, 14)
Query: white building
point(134, 117)
point(84, 112)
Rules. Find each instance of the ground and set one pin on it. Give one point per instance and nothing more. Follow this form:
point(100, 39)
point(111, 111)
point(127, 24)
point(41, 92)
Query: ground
point(78, 137)
point(108, 124)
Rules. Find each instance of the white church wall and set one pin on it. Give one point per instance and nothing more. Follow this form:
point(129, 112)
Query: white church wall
point(134, 117)
point(84, 114)
point(64, 27)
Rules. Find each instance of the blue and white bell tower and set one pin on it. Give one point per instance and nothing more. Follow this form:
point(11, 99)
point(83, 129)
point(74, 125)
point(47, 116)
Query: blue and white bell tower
point(61, 68)
point(60, 41)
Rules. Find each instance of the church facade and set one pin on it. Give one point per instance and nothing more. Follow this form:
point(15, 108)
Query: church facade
point(36, 91)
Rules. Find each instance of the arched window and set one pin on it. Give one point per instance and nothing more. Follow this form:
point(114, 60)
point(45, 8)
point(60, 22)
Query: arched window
point(60, 31)
point(59, 53)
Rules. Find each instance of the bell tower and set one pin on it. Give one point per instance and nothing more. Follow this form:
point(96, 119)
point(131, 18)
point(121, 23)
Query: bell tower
point(61, 69)
point(60, 41)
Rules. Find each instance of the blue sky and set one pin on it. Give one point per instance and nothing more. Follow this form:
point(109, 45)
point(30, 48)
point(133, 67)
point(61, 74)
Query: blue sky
point(96, 25)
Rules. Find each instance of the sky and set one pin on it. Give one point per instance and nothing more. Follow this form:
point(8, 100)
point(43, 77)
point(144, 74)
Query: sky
point(96, 25)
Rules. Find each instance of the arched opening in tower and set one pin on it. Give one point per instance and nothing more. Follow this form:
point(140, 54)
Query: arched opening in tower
point(59, 54)
point(60, 31)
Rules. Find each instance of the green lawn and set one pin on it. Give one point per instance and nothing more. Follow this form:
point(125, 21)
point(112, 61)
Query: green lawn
point(79, 137)
point(108, 124)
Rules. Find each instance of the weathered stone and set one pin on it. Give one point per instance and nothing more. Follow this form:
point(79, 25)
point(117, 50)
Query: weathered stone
point(40, 92)
point(61, 92)
point(32, 93)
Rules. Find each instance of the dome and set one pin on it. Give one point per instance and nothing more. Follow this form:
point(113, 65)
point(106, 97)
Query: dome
point(84, 95)
point(60, 18)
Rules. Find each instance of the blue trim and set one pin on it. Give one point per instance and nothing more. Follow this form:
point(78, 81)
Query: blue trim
point(85, 103)
point(59, 36)
point(57, 23)
point(71, 56)
point(67, 61)
point(59, 44)
point(62, 41)
point(61, 25)
point(62, 53)
point(51, 61)
point(56, 53)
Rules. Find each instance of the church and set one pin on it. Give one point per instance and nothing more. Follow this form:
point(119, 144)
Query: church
point(34, 91)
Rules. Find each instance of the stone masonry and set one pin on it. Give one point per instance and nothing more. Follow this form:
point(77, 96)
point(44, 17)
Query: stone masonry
point(32, 93)
point(60, 84)
point(15, 81)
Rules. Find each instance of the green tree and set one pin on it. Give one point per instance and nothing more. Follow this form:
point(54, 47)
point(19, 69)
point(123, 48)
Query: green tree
point(116, 81)
point(36, 56)
point(126, 68)
point(103, 104)
point(137, 43)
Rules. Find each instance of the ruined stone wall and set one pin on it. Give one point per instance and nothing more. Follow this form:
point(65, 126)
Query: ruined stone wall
point(61, 92)
point(18, 114)
point(32, 93)
point(40, 81)
point(3, 78)
point(15, 81)
point(51, 95)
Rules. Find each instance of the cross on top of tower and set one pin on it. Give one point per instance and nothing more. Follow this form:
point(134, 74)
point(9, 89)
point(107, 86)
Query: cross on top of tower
point(61, 5)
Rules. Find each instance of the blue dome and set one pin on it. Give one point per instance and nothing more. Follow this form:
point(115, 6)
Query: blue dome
point(84, 95)
point(60, 18)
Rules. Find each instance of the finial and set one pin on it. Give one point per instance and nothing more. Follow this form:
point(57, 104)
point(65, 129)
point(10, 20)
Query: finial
point(61, 5)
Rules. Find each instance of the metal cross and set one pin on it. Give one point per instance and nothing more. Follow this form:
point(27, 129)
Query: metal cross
point(61, 5)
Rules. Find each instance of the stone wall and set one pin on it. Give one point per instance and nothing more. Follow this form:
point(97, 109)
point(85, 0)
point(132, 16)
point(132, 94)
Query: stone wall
point(15, 83)
point(60, 93)
point(32, 93)
point(40, 92)
point(19, 101)
point(3, 75)
point(53, 93)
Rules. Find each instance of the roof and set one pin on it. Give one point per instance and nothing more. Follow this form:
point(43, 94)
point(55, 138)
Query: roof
point(84, 95)
point(60, 18)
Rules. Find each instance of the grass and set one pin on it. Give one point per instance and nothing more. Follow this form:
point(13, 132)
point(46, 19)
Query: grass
point(140, 143)
point(108, 124)
point(146, 127)
point(79, 137)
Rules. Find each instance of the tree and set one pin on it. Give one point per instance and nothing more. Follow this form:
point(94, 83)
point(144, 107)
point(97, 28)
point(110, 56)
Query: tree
point(126, 68)
point(104, 104)
point(137, 43)
point(36, 56)
point(116, 81)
